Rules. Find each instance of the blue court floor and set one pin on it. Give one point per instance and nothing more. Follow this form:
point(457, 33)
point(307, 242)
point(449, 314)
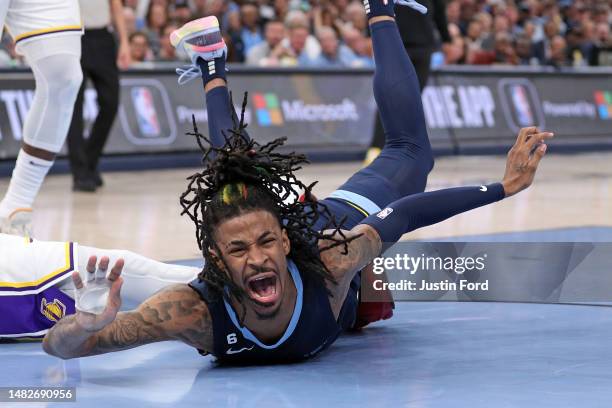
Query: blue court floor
point(430, 354)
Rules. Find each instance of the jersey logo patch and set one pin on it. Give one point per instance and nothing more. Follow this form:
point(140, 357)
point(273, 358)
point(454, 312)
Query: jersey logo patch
point(232, 351)
point(53, 311)
point(384, 213)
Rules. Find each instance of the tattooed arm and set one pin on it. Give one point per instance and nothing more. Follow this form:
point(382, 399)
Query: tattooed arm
point(175, 313)
point(344, 266)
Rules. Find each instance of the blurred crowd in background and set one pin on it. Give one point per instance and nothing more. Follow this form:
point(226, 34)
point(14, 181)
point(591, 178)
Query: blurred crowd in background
point(334, 33)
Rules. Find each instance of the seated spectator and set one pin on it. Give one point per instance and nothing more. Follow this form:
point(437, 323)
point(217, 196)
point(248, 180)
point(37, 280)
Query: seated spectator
point(333, 54)
point(474, 37)
point(260, 54)
point(524, 51)
point(251, 32)
point(558, 53)
point(360, 45)
point(166, 51)
point(157, 18)
point(355, 15)
point(281, 9)
point(455, 52)
point(233, 36)
point(602, 55)
point(505, 53)
point(298, 42)
point(293, 49)
point(181, 13)
point(139, 48)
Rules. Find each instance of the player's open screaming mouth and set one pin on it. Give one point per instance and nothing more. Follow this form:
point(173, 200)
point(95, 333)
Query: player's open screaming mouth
point(264, 288)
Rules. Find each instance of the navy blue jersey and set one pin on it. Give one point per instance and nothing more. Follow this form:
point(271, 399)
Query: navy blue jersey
point(312, 327)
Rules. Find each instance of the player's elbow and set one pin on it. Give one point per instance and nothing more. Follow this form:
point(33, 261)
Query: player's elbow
point(47, 348)
point(52, 351)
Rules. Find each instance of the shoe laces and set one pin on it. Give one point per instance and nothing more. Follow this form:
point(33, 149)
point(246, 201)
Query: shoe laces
point(413, 4)
point(187, 73)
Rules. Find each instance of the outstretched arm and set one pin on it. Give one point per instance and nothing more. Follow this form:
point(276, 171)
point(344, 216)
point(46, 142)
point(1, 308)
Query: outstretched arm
point(382, 230)
point(175, 313)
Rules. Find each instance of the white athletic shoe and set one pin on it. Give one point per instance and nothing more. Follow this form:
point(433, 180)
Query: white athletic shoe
point(19, 222)
point(199, 38)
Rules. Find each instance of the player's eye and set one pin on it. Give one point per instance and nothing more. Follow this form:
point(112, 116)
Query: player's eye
point(237, 251)
point(268, 241)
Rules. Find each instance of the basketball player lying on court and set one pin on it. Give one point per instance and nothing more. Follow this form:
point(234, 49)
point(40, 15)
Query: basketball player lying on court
point(281, 277)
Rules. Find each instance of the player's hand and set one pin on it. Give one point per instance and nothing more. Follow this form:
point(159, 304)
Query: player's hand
point(124, 57)
point(523, 159)
point(98, 300)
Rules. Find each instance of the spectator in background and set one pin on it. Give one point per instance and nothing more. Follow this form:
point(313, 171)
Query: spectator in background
point(292, 50)
point(453, 13)
point(602, 53)
point(360, 45)
point(166, 51)
point(474, 36)
point(543, 48)
point(505, 53)
point(233, 36)
point(200, 9)
point(333, 54)
point(181, 13)
point(355, 15)
point(139, 48)
point(524, 50)
point(558, 53)
point(456, 51)
point(133, 4)
point(251, 32)
point(260, 54)
point(157, 18)
point(281, 9)
point(299, 45)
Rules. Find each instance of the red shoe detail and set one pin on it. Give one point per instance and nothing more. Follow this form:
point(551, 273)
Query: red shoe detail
point(370, 312)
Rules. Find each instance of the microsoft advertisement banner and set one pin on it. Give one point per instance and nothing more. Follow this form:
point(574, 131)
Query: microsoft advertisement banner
point(324, 111)
point(336, 110)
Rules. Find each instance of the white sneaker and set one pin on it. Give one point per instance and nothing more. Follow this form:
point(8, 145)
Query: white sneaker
point(199, 38)
point(19, 222)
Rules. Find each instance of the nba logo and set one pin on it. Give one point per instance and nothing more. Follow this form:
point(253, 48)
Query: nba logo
point(518, 94)
point(146, 114)
point(520, 103)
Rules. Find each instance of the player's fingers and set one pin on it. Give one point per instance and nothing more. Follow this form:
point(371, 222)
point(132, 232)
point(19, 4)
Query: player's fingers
point(91, 268)
point(116, 271)
point(538, 138)
point(91, 264)
point(524, 134)
point(76, 279)
point(537, 156)
point(114, 297)
point(102, 267)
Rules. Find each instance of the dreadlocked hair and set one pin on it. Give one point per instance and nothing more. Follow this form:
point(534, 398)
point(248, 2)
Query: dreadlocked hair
point(243, 176)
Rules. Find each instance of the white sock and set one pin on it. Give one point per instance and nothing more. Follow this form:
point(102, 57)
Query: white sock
point(28, 175)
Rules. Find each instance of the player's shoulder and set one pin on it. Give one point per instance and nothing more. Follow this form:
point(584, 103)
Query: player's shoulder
point(340, 259)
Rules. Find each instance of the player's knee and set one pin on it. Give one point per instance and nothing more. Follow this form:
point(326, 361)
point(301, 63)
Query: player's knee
point(65, 83)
